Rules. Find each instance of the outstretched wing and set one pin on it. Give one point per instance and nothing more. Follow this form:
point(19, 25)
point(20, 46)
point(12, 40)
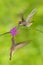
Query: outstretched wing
point(31, 15)
point(21, 44)
point(17, 46)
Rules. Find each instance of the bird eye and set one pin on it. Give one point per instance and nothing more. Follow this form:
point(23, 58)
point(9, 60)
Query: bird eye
point(20, 22)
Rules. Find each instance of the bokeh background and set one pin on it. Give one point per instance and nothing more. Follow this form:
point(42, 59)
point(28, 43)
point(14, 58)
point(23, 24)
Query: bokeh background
point(32, 54)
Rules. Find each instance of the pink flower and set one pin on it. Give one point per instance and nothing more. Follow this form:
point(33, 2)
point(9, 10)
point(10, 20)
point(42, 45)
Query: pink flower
point(14, 31)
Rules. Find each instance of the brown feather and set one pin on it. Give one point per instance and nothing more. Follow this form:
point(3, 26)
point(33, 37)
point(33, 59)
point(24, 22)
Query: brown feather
point(17, 46)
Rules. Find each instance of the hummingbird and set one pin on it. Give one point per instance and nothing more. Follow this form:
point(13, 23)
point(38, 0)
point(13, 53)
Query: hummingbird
point(15, 46)
point(14, 31)
point(27, 22)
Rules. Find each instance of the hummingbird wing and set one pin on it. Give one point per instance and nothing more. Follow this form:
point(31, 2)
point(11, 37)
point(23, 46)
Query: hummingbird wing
point(17, 46)
point(31, 15)
point(21, 44)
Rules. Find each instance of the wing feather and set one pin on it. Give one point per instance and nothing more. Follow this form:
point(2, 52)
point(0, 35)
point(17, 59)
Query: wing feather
point(31, 15)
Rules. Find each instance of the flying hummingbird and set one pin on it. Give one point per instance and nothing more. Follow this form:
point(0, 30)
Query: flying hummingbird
point(14, 31)
point(27, 22)
point(15, 46)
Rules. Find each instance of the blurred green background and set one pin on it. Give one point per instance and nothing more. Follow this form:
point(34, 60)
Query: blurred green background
point(32, 54)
